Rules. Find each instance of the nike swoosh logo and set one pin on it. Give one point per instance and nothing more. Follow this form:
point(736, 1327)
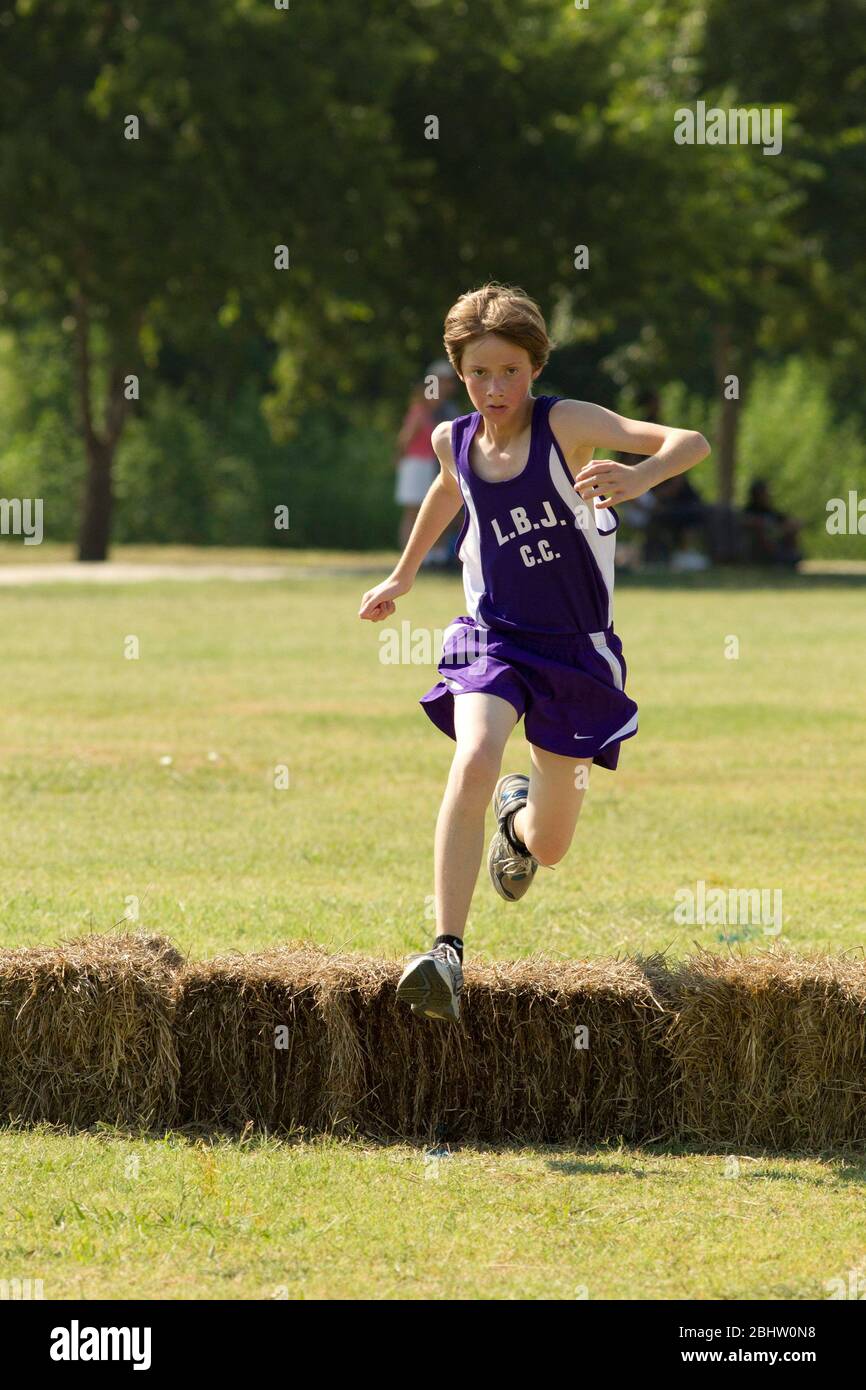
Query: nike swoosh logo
point(583, 736)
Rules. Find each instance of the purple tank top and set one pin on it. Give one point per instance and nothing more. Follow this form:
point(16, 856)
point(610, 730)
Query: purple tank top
point(536, 557)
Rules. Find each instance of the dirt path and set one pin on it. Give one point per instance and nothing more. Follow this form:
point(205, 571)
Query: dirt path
point(130, 572)
point(121, 572)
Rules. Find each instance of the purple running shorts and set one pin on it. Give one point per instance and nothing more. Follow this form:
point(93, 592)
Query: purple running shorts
point(568, 688)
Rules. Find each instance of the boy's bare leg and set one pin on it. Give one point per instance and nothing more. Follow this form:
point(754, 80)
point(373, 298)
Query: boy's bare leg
point(557, 786)
point(482, 724)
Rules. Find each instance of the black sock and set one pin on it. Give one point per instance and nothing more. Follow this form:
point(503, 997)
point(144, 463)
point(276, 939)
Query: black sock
point(511, 835)
point(455, 941)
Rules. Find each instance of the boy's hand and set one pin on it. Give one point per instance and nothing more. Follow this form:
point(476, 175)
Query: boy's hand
point(379, 603)
point(616, 482)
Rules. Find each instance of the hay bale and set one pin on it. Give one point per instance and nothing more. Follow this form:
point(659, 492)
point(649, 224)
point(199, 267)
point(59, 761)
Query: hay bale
point(510, 1069)
point(769, 1049)
point(86, 1031)
point(232, 1071)
point(162, 948)
point(361, 1062)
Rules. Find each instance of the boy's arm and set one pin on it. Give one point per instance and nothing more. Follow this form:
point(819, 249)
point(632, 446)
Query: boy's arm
point(580, 425)
point(442, 503)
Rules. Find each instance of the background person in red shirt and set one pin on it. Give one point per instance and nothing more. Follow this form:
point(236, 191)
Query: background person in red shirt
point(415, 458)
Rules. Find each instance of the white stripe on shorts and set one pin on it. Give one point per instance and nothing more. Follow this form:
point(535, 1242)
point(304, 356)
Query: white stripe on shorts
point(627, 728)
point(600, 643)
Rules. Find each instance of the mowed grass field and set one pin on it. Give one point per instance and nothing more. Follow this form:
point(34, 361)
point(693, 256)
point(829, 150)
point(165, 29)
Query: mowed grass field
point(746, 773)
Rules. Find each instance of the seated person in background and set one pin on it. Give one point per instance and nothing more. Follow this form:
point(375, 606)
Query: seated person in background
point(677, 524)
point(772, 536)
point(636, 514)
point(671, 515)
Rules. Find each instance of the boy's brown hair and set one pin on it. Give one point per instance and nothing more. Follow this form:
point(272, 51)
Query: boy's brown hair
point(496, 308)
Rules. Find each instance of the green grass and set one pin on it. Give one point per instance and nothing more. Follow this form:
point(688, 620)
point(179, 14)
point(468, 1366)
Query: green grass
point(98, 1216)
point(745, 773)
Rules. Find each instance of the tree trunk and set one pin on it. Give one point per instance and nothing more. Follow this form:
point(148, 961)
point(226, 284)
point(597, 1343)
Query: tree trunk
point(95, 532)
point(725, 359)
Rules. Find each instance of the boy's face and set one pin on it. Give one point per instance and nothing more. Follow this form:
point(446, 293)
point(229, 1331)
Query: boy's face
point(497, 374)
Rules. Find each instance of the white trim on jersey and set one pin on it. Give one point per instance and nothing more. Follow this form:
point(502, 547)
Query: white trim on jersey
point(605, 520)
point(470, 556)
point(600, 536)
point(599, 641)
